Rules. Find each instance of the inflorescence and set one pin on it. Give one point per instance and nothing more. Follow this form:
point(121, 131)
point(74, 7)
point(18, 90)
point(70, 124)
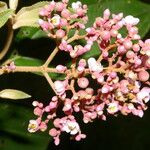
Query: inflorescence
point(120, 73)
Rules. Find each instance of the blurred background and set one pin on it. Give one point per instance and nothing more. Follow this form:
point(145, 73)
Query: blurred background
point(125, 133)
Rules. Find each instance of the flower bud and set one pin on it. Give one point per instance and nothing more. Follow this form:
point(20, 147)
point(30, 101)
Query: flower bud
point(83, 82)
point(60, 33)
point(143, 76)
point(106, 14)
point(94, 65)
point(127, 44)
point(53, 132)
point(105, 35)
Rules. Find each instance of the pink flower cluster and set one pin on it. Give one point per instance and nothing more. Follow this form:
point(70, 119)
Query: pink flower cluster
point(116, 82)
point(56, 18)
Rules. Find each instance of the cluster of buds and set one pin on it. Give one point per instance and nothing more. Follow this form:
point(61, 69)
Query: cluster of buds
point(9, 67)
point(119, 76)
point(58, 18)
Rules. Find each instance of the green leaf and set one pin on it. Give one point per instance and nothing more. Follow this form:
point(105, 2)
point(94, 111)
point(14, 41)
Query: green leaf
point(128, 7)
point(26, 61)
point(95, 51)
point(14, 122)
point(13, 94)
point(3, 6)
point(4, 16)
point(28, 16)
point(30, 32)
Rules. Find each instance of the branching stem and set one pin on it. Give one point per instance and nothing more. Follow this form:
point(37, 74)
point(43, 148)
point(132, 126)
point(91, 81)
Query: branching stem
point(106, 50)
point(50, 58)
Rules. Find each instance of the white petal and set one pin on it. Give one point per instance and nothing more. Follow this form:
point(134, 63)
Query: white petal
point(76, 5)
point(73, 132)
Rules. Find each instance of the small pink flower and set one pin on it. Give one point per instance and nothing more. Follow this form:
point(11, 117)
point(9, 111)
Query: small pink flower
point(80, 136)
point(33, 126)
point(65, 13)
point(60, 33)
point(144, 94)
point(105, 89)
point(105, 35)
point(99, 109)
point(113, 107)
point(61, 68)
point(67, 105)
point(76, 5)
point(113, 75)
point(59, 6)
point(38, 111)
point(60, 86)
point(71, 127)
point(43, 126)
point(94, 66)
point(106, 14)
point(55, 20)
point(12, 66)
point(114, 33)
point(53, 132)
point(143, 76)
point(136, 47)
point(63, 22)
point(83, 82)
point(130, 20)
point(127, 44)
point(121, 49)
point(56, 140)
point(130, 54)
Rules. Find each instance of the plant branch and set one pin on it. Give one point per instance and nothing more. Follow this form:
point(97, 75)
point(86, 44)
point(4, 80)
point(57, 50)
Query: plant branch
point(48, 78)
point(38, 69)
point(76, 37)
point(50, 58)
point(105, 50)
point(72, 86)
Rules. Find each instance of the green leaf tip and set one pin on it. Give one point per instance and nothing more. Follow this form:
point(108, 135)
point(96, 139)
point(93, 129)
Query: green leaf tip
point(13, 94)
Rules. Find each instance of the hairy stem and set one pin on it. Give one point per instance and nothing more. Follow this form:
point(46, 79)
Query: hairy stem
point(35, 69)
point(39, 69)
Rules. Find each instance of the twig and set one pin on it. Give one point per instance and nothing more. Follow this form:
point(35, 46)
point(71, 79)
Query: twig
point(72, 86)
point(105, 50)
point(49, 81)
point(76, 37)
point(39, 69)
point(50, 58)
